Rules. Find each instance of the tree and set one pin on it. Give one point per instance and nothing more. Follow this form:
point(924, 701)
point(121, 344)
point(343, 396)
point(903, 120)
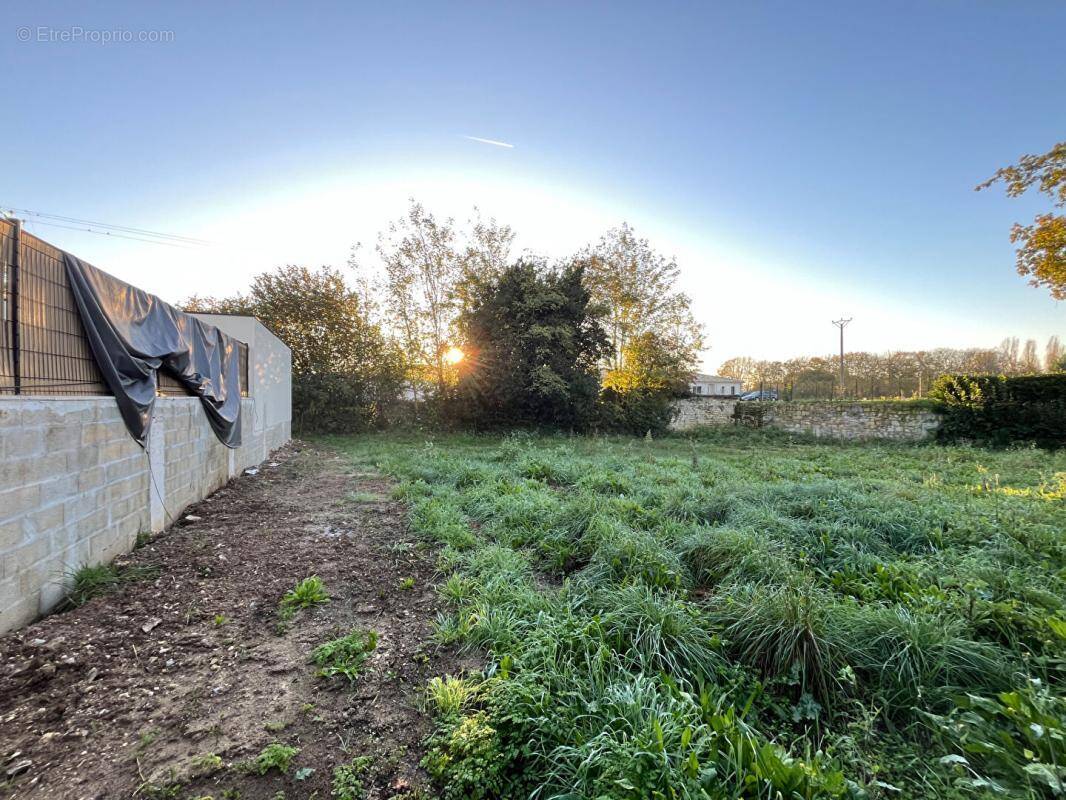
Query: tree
point(1053, 353)
point(1029, 361)
point(652, 364)
point(637, 287)
point(741, 368)
point(422, 269)
point(1041, 253)
point(344, 370)
point(532, 339)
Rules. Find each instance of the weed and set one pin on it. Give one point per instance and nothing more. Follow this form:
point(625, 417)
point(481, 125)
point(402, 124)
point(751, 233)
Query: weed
point(407, 584)
point(346, 655)
point(348, 779)
point(307, 593)
point(273, 756)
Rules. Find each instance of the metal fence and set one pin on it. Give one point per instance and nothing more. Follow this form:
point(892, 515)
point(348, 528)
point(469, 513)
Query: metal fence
point(43, 348)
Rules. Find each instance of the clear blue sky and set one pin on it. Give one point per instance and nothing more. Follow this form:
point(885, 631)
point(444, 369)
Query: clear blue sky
point(802, 160)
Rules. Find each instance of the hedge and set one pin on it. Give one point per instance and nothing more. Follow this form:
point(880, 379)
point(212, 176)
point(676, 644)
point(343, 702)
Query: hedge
point(998, 410)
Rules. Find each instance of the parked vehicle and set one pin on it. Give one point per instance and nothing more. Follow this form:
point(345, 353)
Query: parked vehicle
point(765, 394)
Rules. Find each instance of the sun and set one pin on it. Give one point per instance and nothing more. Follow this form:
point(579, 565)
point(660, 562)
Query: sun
point(453, 355)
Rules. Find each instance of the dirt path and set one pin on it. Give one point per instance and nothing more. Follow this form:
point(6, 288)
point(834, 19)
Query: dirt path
point(165, 687)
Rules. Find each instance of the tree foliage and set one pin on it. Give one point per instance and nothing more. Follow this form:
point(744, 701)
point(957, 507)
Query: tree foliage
point(345, 372)
point(532, 339)
point(1041, 254)
point(637, 287)
point(894, 374)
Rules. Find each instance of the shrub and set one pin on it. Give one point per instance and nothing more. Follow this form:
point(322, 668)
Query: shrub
point(998, 410)
point(342, 403)
point(636, 412)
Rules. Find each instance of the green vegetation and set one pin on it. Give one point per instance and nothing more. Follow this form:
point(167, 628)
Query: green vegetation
point(998, 410)
point(87, 582)
point(743, 615)
point(308, 593)
point(273, 756)
point(348, 779)
point(346, 655)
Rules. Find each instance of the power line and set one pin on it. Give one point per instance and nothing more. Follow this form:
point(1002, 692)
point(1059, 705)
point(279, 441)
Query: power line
point(109, 233)
point(124, 228)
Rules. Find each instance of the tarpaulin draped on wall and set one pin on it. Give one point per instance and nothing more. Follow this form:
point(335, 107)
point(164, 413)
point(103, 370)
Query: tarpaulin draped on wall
point(132, 334)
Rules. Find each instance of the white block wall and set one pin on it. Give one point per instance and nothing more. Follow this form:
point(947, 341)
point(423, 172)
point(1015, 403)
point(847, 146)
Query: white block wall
point(76, 489)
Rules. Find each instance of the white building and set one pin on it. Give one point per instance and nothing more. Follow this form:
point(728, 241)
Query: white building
point(712, 385)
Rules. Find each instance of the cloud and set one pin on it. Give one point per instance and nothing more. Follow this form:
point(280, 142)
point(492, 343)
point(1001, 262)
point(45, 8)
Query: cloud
point(489, 141)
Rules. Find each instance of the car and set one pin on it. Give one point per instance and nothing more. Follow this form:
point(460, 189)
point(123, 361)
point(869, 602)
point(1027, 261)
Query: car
point(765, 394)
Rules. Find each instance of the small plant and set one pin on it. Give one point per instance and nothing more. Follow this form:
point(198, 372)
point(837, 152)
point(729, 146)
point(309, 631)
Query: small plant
point(344, 656)
point(274, 726)
point(348, 779)
point(273, 756)
point(220, 620)
point(449, 695)
point(308, 593)
point(407, 584)
point(464, 759)
point(87, 582)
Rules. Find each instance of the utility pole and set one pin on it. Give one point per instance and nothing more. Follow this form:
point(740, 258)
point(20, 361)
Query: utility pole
point(842, 323)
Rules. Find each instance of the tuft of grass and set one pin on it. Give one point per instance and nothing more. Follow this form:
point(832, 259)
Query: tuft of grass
point(450, 695)
point(346, 655)
point(406, 584)
point(89, 581)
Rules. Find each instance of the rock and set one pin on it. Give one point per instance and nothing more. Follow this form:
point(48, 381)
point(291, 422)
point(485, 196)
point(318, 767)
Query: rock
point(146, 627)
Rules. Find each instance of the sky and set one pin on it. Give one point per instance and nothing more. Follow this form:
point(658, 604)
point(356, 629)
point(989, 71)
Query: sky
point(802, 161)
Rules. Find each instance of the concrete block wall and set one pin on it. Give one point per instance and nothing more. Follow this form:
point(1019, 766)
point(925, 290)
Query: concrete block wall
point(76, 489)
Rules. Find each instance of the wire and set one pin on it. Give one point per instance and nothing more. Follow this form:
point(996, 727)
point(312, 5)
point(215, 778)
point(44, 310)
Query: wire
point(126, 228)
point(109, 233)
point(151, 474)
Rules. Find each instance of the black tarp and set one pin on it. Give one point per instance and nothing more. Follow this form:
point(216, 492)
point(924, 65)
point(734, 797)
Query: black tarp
point(133, 334)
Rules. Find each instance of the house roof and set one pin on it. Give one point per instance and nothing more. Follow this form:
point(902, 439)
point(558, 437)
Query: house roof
point(703, 377)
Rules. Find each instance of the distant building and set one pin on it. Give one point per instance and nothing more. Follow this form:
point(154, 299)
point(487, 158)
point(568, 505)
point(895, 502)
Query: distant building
point(712, 385)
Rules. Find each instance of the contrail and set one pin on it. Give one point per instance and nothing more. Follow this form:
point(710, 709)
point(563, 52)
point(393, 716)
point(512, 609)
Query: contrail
point(489, 141)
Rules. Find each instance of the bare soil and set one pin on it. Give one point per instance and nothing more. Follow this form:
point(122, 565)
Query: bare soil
point(137, 692)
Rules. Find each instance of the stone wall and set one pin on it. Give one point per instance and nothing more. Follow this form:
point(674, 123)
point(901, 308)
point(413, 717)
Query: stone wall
point(853, 420)
point(696, 412)
point(829, 419)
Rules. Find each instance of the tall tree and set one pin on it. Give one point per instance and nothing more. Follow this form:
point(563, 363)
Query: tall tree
point(422, 268)
point(1053, 353)
point(638, 289)
point(533, 340)
point(1041, 254)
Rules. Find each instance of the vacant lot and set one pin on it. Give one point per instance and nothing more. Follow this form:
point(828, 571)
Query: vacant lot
point(741, 616)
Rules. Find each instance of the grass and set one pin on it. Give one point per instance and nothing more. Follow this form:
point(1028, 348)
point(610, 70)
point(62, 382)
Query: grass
point(88, 581)
point(741, 614)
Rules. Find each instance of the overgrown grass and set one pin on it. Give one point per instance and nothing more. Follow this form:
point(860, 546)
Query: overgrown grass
point(745, 614)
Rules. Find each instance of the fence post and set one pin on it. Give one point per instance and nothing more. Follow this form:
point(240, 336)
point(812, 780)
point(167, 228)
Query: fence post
point(16, 344)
